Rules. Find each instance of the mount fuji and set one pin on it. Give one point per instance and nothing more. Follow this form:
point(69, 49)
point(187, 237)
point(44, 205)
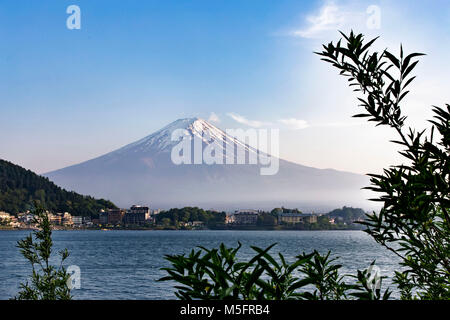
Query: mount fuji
point(143, 173)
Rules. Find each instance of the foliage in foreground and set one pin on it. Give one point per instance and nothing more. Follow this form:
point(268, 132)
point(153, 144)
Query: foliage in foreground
point(414, 222)
point(217, 274)
point(47, 282)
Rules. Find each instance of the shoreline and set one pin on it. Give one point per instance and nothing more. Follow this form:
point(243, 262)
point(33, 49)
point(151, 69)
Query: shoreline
point(168, 229)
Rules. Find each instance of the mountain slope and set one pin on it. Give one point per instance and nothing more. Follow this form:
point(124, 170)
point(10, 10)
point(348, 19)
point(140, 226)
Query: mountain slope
point(142, 172)
point(19, 188)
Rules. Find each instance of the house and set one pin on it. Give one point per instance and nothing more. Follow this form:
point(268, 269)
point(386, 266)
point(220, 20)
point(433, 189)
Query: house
point(246, 217)
point(103, 217)
point(293, 218)
point(55, 219)
point(25, 217)
point(66, 219)
point(4, 216)
point(197, 224)
point(8, 219)
point(115, 216)
point(77, 220)
point(137, 215)
point(230, 218)
point(87, 221)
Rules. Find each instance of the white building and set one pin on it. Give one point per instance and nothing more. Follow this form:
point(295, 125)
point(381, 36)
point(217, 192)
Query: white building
point(4, 216)
point(77, 220)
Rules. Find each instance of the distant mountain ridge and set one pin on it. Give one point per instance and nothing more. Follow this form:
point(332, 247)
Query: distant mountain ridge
point(19, 188)
point(142, 172)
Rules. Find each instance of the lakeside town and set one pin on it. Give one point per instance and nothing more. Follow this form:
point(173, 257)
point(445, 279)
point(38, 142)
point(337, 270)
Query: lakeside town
point(191, 218)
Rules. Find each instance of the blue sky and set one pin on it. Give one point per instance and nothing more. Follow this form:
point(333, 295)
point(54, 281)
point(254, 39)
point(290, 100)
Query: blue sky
point(135, 66)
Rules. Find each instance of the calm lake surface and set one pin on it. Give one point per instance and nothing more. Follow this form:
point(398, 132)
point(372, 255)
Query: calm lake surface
point(126, 264)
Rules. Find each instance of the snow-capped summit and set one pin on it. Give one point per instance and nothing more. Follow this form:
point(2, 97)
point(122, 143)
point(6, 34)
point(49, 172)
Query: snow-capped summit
point(143, 172)
point(161, 140)
point(194, 128)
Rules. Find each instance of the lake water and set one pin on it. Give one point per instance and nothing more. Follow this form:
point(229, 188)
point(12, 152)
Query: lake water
point(126, 264)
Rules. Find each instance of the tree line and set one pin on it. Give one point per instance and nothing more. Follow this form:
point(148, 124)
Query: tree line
point(177, 216)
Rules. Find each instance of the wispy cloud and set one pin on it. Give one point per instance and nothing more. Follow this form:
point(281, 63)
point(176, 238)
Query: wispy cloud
point(299, 124)
point(295, 124)
point(341, 124)
point(214, 118)
point(251, 123)
point(330, 17)
point(290, 123)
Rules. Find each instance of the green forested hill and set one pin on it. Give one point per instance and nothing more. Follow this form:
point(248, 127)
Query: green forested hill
point(348, 214)
point(19, 188)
